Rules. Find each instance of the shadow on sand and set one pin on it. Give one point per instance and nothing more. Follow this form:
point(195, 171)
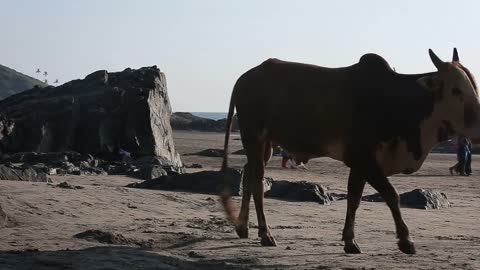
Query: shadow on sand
point(111, 257)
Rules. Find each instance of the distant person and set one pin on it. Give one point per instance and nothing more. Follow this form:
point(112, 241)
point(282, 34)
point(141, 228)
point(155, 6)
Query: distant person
point(285, 157)
point(464, 157)
point(468, 157)
point(125, 156)
point(291, 161)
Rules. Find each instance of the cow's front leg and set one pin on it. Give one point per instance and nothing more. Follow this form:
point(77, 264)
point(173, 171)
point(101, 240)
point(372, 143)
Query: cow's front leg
point(356, 184)
point(391, 197)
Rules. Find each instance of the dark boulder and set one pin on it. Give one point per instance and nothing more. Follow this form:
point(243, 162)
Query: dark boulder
point(424, 199)
point(417, 198)
point(301, 191)
point(104, 111)
point(210, 153)
point(202, 182)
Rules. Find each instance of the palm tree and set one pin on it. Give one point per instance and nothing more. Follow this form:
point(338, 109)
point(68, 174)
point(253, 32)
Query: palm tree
point(45, 74)
point(55, 82)
point(46, 81)
point(38, 72)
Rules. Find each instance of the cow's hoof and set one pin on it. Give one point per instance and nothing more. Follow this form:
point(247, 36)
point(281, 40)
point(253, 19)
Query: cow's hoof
point(242, 231)
point(406, 246)
point(352, 248)
point(268, 241)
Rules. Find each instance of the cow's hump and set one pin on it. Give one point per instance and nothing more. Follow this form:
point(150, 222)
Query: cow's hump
point(374, 62)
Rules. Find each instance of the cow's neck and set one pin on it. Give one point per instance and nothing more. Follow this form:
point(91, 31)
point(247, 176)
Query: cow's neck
point(395, 156)
point(436, 129)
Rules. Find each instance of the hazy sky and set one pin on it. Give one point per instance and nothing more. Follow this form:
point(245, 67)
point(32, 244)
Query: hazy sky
point(203, 46)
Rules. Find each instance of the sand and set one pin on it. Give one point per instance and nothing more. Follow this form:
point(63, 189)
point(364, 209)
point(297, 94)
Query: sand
point(181, 230)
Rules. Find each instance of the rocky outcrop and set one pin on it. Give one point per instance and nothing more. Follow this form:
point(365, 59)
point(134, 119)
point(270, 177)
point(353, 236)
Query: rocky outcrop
point(23, 166)
point(99, 114)
point(188, 121)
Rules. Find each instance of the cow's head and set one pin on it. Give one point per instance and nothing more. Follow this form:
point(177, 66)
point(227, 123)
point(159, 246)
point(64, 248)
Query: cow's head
point(456, 96)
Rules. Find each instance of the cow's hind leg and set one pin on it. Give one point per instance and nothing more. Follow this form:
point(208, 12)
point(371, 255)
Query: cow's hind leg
point(391, 197)
point(242, 223)
point(256, 161)
point(356, 184)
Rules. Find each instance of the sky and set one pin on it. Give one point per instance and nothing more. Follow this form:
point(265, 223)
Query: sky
point(204, 46)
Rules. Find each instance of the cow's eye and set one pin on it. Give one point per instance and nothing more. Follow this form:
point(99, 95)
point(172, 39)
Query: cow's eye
point(456, 91)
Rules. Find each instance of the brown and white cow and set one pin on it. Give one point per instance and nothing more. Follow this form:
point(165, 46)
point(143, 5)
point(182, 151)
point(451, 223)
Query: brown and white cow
point(378, 122)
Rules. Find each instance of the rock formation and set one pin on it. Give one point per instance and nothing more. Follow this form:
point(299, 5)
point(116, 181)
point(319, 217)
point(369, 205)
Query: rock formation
point(99, 114)
point(13, 82)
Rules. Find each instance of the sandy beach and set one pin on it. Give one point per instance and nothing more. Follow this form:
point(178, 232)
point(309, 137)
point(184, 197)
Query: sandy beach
point(181, 230)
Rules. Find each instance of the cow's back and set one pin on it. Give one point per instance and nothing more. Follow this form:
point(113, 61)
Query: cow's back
point(302, 107)
point(323, 111)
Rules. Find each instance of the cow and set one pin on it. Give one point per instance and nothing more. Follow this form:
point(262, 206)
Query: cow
point(376, 121)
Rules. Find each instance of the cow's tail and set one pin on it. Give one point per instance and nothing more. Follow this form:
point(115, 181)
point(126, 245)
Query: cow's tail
point(226, 193)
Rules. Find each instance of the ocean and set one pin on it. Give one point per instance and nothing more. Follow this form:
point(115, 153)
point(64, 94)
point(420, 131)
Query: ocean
point(211, 115)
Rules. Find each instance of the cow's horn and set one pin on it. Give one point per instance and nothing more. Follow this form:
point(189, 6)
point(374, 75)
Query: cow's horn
point(439, 64)
point(455, 57)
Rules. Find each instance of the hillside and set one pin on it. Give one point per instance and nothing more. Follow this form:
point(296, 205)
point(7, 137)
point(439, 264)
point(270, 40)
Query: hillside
point(12, 82)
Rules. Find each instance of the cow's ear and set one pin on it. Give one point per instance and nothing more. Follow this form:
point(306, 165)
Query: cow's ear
point(431, 83)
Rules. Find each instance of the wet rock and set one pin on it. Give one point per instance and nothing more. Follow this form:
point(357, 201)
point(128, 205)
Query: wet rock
point(417, 198)
point(299, 191)
point(27, 174)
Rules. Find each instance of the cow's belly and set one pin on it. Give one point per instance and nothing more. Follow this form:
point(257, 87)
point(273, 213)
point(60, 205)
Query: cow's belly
point(395, 158)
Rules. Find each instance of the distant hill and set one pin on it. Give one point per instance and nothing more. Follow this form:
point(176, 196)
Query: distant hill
point(13, 82)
